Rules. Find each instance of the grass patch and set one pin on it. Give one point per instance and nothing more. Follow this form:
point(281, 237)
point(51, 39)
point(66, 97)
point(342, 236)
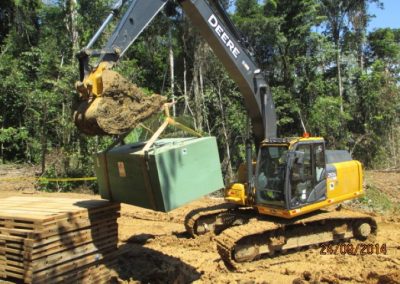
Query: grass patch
point(377, 200)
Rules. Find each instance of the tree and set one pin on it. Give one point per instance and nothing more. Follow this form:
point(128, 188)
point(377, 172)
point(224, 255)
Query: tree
point(377, 108)
point(385, 45)
point(338, 13)
point(6, 18)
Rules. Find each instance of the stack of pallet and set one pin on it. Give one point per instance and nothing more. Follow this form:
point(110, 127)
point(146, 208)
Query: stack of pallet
point(54, 240)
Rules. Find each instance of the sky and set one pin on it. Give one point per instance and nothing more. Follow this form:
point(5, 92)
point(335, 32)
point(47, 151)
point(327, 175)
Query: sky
point(388, 17)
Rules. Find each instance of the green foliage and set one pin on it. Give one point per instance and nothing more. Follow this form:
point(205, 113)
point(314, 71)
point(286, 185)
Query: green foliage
point(286, 109)
point(384, 44)
point(327, 121)
point(247, 8)
point(14, 141)
point(376, 114)
point(378, 200)
point(298, 44)
point(63, 186)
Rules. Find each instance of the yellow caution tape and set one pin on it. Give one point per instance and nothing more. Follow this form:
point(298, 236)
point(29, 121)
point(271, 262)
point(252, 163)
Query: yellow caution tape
point(47, 179)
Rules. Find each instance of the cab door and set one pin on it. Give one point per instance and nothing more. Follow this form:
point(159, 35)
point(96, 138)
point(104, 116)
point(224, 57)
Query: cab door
point(307, 177)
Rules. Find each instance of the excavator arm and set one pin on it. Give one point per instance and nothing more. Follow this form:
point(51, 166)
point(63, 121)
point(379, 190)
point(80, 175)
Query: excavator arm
point(214, 25)
point(137, 17)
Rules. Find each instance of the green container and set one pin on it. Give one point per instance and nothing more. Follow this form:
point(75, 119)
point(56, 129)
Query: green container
point(173, 172)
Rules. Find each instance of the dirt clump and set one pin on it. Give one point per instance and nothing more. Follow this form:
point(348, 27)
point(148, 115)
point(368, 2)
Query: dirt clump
point(121, 107)
point(382, 278)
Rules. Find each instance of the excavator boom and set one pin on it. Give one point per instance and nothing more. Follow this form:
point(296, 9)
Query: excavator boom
point(214, 25)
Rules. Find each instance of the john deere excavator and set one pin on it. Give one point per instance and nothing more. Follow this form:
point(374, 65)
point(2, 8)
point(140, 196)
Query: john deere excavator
point(280, 200)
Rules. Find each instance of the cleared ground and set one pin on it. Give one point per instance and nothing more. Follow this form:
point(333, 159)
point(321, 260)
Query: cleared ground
point(155, 248)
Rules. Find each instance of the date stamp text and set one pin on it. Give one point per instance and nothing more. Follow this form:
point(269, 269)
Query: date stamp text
point(353, 249)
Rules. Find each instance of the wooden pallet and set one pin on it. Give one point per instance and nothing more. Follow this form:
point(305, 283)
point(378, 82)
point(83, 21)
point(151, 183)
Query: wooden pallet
point(55, 240)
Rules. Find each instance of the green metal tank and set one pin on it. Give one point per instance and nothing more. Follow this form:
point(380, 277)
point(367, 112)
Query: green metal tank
point(173, 172)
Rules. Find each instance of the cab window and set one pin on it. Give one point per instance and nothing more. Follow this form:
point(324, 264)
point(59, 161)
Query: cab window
point(307, 175)
point(301, 179)
point(270, 175)
point(319, 163)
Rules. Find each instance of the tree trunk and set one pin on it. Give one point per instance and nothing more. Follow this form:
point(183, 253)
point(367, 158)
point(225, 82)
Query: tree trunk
point(171, 68)
point(205, 115)
point(361, 55)
point(185, 96)
point(73, 24)
point(197, 98)
point(43, 139)
point(339, 74)
point(2, 151)
point(227, 159)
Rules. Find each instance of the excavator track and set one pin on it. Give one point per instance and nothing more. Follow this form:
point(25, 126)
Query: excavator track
point(270, 235)
point(216, 218)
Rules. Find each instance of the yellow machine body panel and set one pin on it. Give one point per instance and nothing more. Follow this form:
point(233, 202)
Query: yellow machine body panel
point(343, 182)
point(236, 193)
point(347, 183)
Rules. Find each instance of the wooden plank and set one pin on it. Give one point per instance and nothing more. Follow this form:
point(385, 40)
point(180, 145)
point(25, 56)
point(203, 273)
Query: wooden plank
point(24, 223)
point(49, 262)
point(15, 246)
point(59, 228)
point(63, 224)
point(8, 251)
point(35, 254)
point(111, 238)
point(42, 214)
point(14, 263)
point(64, 228)
point(22, 233)
point(29, 253)
point(86, 274)
point(17, 255)
point(22, 268)
point(37, 209)
point(15, 269)
point(70, 265)
point(4, 239)
point(12, 274)
point(93, 231)
point(51, 202)
point(87, 270)
point(45, 237)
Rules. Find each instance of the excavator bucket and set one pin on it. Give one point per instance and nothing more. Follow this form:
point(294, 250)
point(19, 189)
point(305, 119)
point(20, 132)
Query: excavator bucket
point(117, 107)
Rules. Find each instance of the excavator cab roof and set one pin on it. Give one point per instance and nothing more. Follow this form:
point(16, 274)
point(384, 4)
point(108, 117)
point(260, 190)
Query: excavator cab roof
point(290, 141)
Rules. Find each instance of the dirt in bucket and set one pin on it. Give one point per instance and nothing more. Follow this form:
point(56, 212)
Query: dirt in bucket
point(121, 107)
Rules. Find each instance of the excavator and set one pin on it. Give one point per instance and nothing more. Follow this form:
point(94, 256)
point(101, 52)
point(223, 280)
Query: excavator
point(282, 200)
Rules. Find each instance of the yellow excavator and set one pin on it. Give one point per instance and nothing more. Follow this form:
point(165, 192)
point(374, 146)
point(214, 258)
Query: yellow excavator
point(280, 200)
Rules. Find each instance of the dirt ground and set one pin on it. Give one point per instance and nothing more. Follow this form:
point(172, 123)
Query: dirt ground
point(155, 248)
point(387, 182)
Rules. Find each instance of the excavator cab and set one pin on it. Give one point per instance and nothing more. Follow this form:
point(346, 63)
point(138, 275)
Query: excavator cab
point(292, 174)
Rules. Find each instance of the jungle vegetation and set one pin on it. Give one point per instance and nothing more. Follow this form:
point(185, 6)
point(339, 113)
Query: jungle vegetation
point(323, 65)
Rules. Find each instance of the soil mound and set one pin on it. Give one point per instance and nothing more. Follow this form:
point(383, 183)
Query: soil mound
point(122, 106)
